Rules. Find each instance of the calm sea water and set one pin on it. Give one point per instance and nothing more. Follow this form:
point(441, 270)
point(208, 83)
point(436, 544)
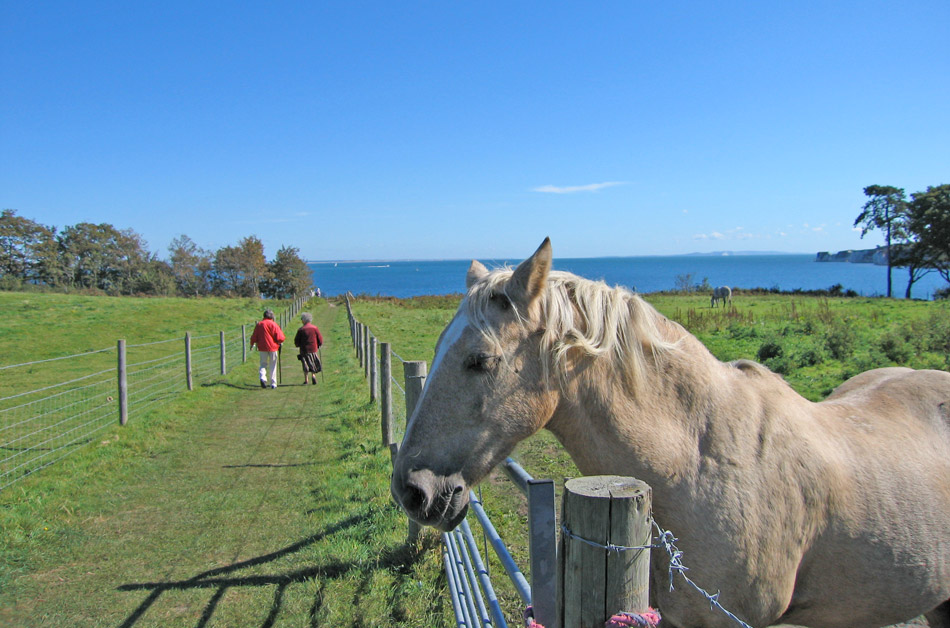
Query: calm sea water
point(644, 274)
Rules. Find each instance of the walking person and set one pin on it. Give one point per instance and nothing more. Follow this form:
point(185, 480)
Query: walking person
point(268, 337)
point(309, 340)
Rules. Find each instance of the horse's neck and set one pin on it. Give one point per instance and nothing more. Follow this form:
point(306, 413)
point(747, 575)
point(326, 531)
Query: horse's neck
point(656, 432)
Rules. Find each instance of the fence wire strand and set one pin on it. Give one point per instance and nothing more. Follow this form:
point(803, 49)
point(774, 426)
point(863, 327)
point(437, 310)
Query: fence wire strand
point(63, 357)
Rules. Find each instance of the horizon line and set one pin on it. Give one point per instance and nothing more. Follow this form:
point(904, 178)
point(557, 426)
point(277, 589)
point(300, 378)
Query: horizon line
point(520, 258)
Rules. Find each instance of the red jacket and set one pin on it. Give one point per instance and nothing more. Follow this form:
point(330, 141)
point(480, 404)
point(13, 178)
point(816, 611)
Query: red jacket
point(309, 339)
point(267, 336)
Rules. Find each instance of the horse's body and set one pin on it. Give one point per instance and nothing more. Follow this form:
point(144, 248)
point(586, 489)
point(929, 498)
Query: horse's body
point(723, 294)
point(820, 514)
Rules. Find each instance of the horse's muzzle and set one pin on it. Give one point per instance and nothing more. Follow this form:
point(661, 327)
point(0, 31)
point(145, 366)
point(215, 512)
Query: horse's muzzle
point(433, 500)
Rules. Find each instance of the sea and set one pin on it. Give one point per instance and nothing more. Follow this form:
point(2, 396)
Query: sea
point(786, 272)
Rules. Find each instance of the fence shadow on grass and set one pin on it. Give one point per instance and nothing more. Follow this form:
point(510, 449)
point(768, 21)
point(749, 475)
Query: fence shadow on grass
point(399, 559)
point(255, 386)
point(267, 465)
point(218, 578)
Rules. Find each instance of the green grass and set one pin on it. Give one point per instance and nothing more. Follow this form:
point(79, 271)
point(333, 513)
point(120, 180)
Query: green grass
point(236, 506)
point(40, 326)
point(232, 506)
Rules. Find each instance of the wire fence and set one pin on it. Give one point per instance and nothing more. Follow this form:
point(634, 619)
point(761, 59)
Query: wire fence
point(42, 425)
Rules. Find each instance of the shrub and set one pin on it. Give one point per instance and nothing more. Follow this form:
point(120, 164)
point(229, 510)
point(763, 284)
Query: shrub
point(742, 332)
point(781, 364)
point(938, 332)
point(895, 347)
point(811, 355)
point(840, 340)
point(769, 350)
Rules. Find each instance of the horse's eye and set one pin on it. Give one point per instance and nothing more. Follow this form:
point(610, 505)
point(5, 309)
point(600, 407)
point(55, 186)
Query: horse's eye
point(481, 362)
point(501, 300)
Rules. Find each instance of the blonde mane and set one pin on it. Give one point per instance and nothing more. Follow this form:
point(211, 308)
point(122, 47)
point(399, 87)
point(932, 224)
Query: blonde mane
point(584, 318)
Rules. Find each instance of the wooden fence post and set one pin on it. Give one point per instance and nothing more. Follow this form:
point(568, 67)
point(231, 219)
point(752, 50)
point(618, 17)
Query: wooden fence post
point(224, 368)
point(596, 582)
point(415, 374)
point(373, 374)
point(386, 402)
point(367, 341)
point(123, 384)
point(188, 379)
point(359, 342)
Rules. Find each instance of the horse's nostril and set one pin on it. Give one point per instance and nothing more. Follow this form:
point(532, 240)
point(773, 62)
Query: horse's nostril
point(414, 497)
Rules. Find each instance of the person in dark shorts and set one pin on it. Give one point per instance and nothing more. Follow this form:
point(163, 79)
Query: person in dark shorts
point(309, 340)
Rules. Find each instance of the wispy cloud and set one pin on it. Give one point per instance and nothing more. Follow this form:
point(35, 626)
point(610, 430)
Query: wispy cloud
point(573, 189)
point(738, 233)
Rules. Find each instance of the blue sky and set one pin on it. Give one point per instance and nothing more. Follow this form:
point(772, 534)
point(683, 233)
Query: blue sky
point(383, 130)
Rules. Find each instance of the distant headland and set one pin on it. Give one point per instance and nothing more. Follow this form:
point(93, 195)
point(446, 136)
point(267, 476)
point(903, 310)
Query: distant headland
point(876, 256)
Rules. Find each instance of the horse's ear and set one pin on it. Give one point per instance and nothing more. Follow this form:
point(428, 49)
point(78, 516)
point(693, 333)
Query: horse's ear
point(475, 272)
point(528, 281)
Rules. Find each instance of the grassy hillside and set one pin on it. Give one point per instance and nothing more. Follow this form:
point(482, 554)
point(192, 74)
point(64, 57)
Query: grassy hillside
point(43, 326)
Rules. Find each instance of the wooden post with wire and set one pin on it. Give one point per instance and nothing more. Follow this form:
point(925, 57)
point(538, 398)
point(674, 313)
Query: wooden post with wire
point(373, 374)
point(415, 374)
point(123, 384)
point(604, 555)
point(224, 364)
point(188, 377)
point(386, 386)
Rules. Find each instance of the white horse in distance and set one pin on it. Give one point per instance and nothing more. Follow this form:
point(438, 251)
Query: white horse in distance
point(723, 294)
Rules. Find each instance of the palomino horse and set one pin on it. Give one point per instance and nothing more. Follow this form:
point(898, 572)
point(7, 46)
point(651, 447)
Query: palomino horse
point(819, 514)
point(723, 294)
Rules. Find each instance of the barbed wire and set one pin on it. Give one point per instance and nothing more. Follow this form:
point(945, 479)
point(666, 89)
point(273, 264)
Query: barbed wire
point(665, 541)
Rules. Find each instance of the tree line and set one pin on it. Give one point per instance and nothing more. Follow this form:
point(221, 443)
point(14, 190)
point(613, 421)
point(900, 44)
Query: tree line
point(100, 258)
point(916, 230)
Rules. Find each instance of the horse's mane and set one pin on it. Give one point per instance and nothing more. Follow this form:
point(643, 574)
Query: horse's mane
point(583, 318)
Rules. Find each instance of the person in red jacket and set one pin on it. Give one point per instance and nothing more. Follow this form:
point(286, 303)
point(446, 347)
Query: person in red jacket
point(309, 340)
point(268, 337)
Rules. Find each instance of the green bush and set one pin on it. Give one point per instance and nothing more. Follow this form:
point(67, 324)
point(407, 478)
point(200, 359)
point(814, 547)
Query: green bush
point(781, 364)
point(840, 339)
point(769, 350)
point(742, 331)
point(811, 355)
point(895, 347)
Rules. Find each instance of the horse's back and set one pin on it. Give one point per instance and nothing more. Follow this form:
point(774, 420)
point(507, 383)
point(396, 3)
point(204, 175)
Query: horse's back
point(896, 391)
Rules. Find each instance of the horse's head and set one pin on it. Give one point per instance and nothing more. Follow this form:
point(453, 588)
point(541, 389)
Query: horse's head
point(486, 391)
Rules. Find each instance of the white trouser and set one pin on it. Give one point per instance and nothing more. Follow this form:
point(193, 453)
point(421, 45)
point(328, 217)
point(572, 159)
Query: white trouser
point(269, 366)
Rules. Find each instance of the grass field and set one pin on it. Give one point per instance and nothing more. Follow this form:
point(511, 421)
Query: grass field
point(233, 506)
point(236, 506)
